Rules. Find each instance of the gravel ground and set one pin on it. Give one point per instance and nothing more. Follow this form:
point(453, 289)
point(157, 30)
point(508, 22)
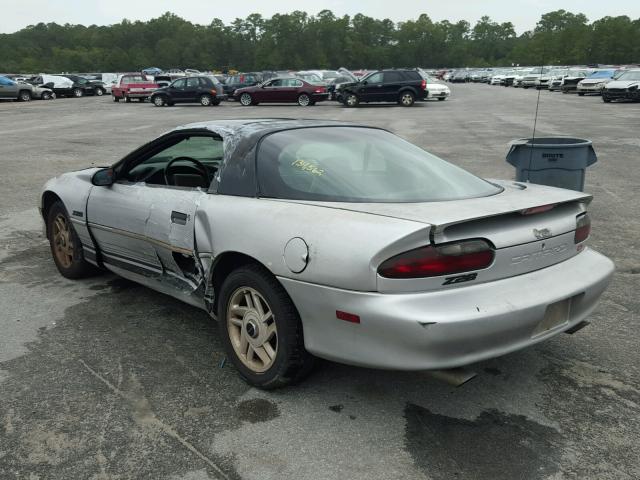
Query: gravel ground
point(104, 379)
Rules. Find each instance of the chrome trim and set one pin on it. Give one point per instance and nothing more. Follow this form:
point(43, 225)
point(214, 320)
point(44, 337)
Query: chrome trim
point(137, 236)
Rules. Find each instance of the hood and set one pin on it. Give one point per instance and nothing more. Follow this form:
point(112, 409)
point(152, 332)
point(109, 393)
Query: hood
point(594, 81)
point(622, 83)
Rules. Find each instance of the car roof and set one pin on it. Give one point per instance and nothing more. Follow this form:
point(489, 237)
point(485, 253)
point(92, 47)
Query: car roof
point(262, 125)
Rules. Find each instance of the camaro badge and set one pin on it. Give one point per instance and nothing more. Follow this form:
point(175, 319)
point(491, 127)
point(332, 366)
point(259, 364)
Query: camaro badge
point(541, 234)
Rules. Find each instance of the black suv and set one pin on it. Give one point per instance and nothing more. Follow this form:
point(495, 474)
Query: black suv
point(206, 90)
point(88, 87)
point(398, 86)
point(241, 80)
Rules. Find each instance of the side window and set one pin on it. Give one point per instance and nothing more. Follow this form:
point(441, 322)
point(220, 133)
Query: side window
point(412, 75)
point(297, 83)
point(5, 81)
point(179, 83)
point(392, 77)
point(275, 83)
point(375, 78)
point(193, 82)
point(206, 150)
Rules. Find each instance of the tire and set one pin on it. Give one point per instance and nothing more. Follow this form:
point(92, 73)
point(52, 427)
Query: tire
point(115, 99)
point(442, 99)
point(407, 99)
point(580, 94)
point(279, 357)
point(351, 100)
point(159, 101)
point(66, 247)
point(304, 100)
point(46, 96)
point(246, 99)
point(606, 99)
point(205, 100)
point(24, 96)
point(77, 92)
point(215, 102)
point(99, 92)
point(127, 99)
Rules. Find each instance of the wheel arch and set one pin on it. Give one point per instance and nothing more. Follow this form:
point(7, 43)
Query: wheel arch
point(222, 266)
point(48, 199)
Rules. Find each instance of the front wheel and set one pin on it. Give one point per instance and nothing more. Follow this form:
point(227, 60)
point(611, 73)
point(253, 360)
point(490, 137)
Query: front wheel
point(442, 99)
point(99, 92)
point(159, 101)
point(246, 99)
point(606, 99)
point(351, 100)
point(127, 99)
point(304, 100)
point(580, 94)
point(46, 96)
point(407, 99)
point(25, 96)
point(205, 100)
point(115, 99)
point(261, 329)
point(65, 244)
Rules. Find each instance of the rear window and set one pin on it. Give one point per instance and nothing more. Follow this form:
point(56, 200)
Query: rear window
point(356, 164)
point(412, 75)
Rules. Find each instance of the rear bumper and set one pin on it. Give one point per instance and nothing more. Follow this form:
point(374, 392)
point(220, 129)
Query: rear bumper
point(451, 328)
point(319, 97)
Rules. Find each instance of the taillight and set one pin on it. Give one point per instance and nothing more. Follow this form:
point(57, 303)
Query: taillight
point(583, 228)
point(320, 90)
point(540, 209)
point(423, 85)
point(213, 91)
point(433, 261)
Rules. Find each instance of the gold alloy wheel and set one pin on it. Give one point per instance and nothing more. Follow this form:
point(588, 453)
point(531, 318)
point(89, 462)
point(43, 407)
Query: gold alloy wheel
point(62, 242)
point(252, 329)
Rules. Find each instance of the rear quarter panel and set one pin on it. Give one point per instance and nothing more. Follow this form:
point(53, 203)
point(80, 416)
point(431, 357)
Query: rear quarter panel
point(344, 247)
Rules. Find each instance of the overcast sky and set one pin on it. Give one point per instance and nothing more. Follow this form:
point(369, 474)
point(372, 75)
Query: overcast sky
point(16, 14)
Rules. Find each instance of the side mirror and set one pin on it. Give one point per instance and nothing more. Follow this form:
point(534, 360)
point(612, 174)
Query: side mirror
point(365, 82)
point(104, 177)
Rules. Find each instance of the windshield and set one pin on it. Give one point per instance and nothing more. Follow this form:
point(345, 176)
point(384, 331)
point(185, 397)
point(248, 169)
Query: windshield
point(357, 164)
point(633, 75)
point(576, 73)
point(602, 74)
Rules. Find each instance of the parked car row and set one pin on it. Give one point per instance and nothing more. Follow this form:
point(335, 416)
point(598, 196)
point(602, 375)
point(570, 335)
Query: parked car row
point(47, 87)
point(402, 86)
point(612, 83)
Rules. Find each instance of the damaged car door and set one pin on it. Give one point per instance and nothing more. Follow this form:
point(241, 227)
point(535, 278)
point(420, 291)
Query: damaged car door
point(143, 223)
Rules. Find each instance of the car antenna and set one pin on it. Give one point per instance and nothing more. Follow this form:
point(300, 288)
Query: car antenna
point(535, 119)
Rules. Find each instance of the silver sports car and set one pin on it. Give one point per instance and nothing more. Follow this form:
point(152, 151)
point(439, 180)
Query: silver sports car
point(325, 239)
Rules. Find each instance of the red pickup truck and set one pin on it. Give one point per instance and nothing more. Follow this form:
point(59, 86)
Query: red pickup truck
point(132, 85)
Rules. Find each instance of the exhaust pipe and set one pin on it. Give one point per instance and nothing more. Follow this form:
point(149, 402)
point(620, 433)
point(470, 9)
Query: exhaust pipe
point(453, 376)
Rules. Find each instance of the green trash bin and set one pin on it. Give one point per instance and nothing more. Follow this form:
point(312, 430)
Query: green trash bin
point(555, 161)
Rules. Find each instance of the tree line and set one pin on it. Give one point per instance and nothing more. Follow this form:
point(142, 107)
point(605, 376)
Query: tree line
point(297, 41)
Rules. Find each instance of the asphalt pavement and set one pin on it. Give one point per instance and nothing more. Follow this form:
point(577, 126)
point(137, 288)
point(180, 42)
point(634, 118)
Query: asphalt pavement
point(104, 379)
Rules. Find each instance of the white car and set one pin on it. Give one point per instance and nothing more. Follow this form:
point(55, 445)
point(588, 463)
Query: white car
point(595, 82)
point(624, 87)
point(437, 90)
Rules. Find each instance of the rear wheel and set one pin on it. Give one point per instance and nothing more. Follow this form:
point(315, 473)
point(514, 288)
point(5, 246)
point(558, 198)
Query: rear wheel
point(46, 95)
point(442, 99)
point(66, 247)
point(159, 101)
point(205, 100)
point(351, 100)
point(606, 99)
point(580, 94)
point(77, 92)
point(115, 99)
point(246, 99)
point(261, 329)
point(127, 99)
point(407, 99)
point(24, 96)
point(304, 100)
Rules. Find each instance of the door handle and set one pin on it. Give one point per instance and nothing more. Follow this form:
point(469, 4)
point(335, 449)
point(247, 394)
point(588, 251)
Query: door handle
point(179, 218)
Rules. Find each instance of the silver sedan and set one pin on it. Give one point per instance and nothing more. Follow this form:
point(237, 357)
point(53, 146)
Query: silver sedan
point(310, 239)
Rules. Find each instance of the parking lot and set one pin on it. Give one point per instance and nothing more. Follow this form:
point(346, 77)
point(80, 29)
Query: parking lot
point(104, 379)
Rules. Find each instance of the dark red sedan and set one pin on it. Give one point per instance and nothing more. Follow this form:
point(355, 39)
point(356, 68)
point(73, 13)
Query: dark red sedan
point(282, 90)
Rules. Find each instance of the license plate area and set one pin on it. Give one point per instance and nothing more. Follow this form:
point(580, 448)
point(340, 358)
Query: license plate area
point(556, 315)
